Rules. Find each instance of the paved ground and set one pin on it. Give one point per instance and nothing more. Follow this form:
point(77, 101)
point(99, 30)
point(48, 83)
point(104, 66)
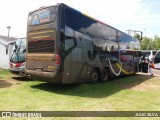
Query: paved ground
point(156, 73)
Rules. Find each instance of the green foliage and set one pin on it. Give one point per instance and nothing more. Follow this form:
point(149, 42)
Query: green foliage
point(150, 43)
point(157, 42)
point(138, 36)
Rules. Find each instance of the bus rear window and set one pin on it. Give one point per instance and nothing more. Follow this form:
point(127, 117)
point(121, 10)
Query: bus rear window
point(43, 16)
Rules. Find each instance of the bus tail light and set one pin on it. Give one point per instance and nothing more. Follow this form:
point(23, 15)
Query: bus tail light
point(58, 59)
point(11, 65)
point(15, 64)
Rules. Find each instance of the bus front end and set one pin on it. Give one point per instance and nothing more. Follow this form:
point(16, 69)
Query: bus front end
point(17, 60)
point(42, 59)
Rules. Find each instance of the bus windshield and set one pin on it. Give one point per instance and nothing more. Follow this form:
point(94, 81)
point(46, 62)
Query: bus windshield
point(146, 54)
point(157, 57)
point(19, 51)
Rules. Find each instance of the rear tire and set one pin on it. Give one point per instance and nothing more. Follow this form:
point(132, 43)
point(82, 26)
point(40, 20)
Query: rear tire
point(94, 76)
point(105, 75)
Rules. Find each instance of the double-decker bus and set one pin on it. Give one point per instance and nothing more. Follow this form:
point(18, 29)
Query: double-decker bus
point(17, 59)
point(65, 46)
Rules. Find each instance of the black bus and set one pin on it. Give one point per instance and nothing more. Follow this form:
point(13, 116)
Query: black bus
point(66, 46)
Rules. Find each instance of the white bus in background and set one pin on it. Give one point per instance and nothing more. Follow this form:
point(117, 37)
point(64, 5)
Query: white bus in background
point(17, 59)
point(148, 54)
point(157, 60)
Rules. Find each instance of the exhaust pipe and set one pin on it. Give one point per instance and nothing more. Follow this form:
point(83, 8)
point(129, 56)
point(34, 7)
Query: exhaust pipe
point(29, 76)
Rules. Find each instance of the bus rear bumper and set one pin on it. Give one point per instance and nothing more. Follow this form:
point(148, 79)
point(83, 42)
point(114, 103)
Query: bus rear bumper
point(50, 77)
point(18, 71)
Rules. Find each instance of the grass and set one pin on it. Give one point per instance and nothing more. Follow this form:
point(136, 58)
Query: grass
point(131, 93)
point(5, 74)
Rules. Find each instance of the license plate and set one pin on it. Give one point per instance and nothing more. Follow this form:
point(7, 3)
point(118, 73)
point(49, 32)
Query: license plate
point(39, 70)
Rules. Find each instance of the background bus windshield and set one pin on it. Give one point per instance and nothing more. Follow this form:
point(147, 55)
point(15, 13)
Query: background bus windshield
point(19, 51)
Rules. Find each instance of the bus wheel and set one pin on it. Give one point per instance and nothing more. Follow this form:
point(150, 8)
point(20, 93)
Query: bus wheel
point(94, 76)
point(105, 75)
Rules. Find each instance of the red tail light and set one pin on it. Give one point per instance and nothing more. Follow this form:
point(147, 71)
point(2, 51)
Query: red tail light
point(58, 59)
point(15, 64)
point(11, 65)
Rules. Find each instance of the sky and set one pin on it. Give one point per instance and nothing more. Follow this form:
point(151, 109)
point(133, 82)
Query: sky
point(139, 15)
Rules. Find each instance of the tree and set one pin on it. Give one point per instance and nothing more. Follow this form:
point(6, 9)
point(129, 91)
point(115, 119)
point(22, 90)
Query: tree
point(146, 43)
point(150, 43)
point(138, 36)
point(157, 42)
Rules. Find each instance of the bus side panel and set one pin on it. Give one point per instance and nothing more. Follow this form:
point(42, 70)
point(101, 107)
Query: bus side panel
point(79, 60)
point(89, 44)
point(78, 49)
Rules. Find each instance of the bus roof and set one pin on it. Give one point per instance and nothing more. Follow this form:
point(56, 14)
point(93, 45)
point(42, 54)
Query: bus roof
point(58, 4)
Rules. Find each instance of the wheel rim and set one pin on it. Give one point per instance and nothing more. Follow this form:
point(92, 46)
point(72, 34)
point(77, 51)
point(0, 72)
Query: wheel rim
point(94, 76)
point(105, 75)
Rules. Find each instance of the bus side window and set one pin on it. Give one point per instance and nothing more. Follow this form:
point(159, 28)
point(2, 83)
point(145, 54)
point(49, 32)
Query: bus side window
point(69, 43)
point(77, 55)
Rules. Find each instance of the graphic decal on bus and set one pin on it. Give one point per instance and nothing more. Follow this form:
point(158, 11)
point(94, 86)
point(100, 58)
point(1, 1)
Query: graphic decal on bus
point(45, 16)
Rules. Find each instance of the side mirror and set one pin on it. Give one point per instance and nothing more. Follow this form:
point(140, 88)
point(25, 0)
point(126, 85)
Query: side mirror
point(6, 49)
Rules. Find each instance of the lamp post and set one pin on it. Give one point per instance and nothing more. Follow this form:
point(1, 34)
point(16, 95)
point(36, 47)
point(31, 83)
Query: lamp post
point(8, 27)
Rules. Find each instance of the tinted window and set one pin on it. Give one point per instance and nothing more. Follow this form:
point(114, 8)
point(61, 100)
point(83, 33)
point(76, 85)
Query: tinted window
point(23, 45)
point(106, 32)
point(154, 52)
point(79, 22)
point(158, 55)
point(146, 54)
point(77, 55)
point(69, 43)
point(157, 58)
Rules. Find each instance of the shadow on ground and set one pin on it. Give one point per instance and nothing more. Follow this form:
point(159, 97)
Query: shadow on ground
point(8, 82)
point(98, 90)
point(4, 84)
point(19, 78)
